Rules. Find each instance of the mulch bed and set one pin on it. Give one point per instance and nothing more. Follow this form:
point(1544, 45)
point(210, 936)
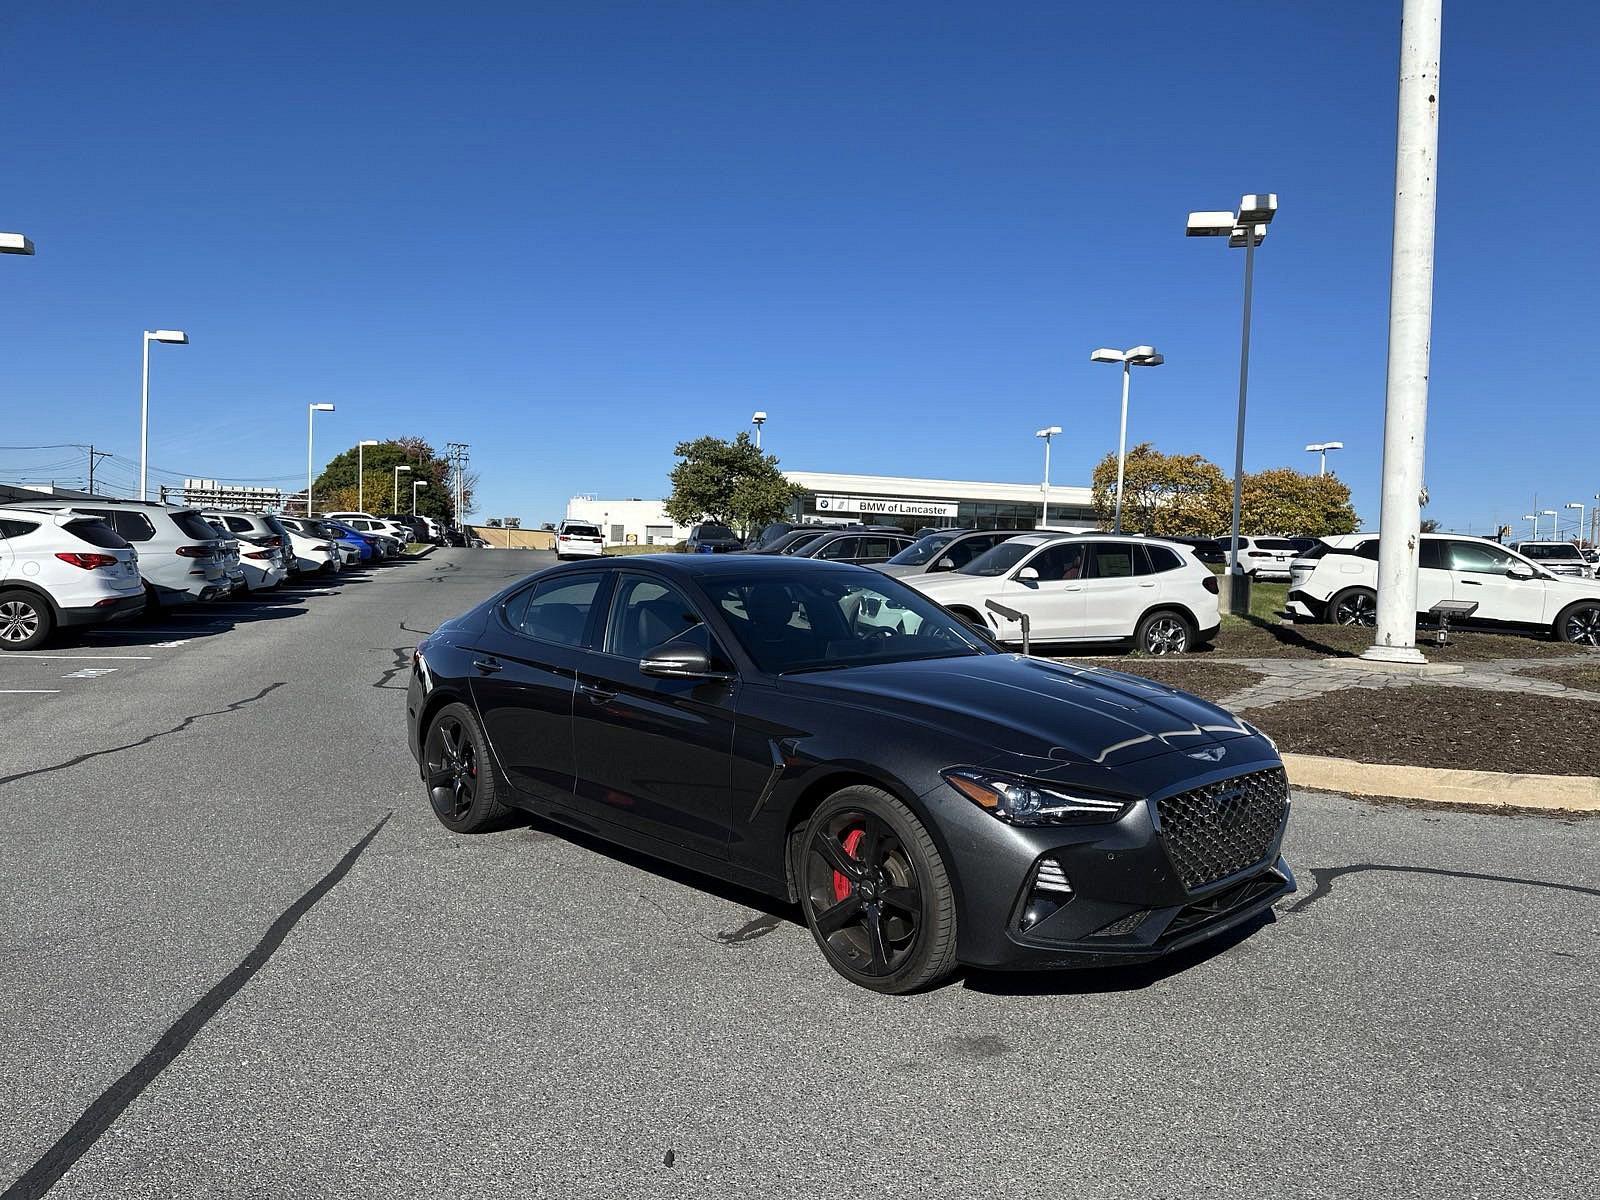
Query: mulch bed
point(1208, 680)
point(1584, 675)
point(1254, 638)
point(1421, 726)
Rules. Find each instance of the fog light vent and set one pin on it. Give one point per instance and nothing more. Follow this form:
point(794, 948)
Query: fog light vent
point(1123, 925)
point(1048, 891)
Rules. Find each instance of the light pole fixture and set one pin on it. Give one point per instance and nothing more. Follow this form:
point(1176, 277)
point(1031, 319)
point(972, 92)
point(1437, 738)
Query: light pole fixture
point(1138, 356)
point(1554, 517)
point(15, 243)
point(1246, 228)
point(1046, 434)
point(361, 474)
point(1582, 508)
point(1534, 517)
point(758, 419)
point(1322, 448)
point(175, 337)
point(415, 484)
point(311, 415)
point(397, 471)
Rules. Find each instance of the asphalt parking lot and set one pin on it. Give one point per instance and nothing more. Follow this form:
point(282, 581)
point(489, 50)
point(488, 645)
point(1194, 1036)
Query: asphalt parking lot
point(243, 959)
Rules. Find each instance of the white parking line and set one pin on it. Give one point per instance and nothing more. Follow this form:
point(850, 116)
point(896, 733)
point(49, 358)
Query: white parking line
point(90, 673)
point(30, 691)
point(26, 657)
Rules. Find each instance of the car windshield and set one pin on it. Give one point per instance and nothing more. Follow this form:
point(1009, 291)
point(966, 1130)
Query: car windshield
point(922, 550)
point(1550, 551)
point(821, 620)
point(999, 560)
point(715, 531)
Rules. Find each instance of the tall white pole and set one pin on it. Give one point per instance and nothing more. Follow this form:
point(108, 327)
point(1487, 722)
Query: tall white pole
point(1322, 465)
point(361, 478)
point(1044, 518)
point(1244, 385)
point(311, 416)
point(1122, 444)
point(144, 417)
point(1410, 330)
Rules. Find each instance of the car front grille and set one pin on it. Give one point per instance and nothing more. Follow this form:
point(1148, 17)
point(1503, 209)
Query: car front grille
point(1214, 831)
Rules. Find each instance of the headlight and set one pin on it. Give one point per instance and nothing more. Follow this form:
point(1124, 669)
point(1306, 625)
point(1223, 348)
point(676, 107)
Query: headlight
point(1019, 801)
point(1257, 731)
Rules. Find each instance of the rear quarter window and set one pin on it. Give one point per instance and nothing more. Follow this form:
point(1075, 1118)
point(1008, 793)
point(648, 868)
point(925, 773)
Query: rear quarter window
point(12, 528)
point(97, 533)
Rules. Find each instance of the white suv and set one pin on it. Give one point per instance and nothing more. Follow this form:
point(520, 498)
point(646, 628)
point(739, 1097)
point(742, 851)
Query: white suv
point(1085, 588)
point(579, 539)
point(1338, 582)
point(59, 568)
point(1261, 556)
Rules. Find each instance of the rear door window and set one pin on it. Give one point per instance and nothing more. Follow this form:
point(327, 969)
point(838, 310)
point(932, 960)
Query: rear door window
point(1111, 560)
point(1162, 559)
point(556, 610)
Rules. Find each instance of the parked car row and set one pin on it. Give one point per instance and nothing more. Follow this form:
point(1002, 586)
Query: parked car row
point(67, 564)
point(1337, 582)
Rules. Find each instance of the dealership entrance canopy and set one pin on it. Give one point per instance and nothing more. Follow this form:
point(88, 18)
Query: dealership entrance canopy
point(914, 503)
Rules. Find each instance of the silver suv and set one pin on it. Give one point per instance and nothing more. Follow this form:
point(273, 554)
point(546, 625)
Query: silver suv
point(180, 554)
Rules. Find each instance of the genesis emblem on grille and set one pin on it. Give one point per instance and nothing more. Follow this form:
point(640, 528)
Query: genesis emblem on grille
point(1209, 754)
point(1230, 807)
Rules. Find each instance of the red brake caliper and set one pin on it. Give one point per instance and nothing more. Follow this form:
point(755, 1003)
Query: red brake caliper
point(841, 885)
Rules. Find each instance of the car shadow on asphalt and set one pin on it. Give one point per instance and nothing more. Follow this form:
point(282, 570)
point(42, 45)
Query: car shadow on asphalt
point(195, 622)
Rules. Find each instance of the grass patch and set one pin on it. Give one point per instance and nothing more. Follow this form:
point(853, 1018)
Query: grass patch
point(1584, 675)
point(640, 549)
point(1472, 729)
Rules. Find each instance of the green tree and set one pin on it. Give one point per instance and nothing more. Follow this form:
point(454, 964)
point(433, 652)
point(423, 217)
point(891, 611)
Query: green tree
point(1182, 495)
point(336, 488)
point(731, 482)
point(1284, 501)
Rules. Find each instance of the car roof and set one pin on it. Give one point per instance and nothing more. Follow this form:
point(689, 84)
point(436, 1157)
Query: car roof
point(709, 565)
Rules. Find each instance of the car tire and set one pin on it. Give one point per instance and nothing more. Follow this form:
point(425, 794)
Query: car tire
point(1580, 623)
point(1354, 606)
point(464, 789)
point(875, 892)
point(26, 620)
point(1164, 632)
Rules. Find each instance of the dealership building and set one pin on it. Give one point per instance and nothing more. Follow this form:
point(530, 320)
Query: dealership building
point(869, 499)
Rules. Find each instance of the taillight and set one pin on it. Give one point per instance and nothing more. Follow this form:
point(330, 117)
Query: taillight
point(1211, 584)
point(195, 551)
point(561, 537)
point(89, 561)
point(258, 554)
point(275, 542)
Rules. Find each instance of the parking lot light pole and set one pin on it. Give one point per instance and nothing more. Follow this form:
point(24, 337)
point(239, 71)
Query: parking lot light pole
point(175, 337)
point(758, 420)
point(1555, 517)
point(1046, 434)
point(311, 415)
point(15, 243)
point(397, 471)
point(1246, 228)
point(1139, 356)
point(1322, 448)
point(1534, 517)
point(415, 484)
point(361, 473)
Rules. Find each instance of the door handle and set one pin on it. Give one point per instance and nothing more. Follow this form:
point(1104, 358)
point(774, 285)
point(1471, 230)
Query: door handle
point(1147, 585)
point(596, 695)
point(487, 665)
point(1472, 583)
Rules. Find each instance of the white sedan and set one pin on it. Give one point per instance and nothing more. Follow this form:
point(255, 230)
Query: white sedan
point(1085, 588)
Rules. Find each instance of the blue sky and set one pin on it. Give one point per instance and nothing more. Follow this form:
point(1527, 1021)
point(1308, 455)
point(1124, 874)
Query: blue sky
point(573, 234)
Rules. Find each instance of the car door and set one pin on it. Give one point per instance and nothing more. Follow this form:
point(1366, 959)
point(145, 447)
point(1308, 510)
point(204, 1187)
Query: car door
point(839, 549)
point(1478, 573)
point(1434, 583)
point(963, 550)
point(524, 670)
point(1053, 600)
point(1113, 597)
point(654, 754)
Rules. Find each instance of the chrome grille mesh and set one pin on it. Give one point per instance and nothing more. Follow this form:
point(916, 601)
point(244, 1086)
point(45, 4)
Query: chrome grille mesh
point(1213, 831)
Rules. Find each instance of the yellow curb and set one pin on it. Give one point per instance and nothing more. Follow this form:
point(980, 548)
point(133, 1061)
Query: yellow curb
point(1573, 793)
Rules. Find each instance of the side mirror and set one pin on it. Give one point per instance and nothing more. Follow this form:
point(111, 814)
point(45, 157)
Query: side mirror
point(946, 564)
point(1028, 575)
point(1519, 572)
point(680, 662)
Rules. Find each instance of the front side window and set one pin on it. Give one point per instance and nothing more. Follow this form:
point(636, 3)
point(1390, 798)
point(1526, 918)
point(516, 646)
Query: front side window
point(806, 622)
point(1058, 563)
point(999, 560)
point(556, 610)
point(923, 550)
point(840, 548)
point(646, 614)
point(1478, 559)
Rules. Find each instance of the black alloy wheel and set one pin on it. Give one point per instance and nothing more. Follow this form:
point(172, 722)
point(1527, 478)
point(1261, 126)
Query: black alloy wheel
point(875, 892)
point(1357, 606)
point(459, 774)
point(1164, 633)
point(1580, 625)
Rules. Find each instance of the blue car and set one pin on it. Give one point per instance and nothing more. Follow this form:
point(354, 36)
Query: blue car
point(354, 538)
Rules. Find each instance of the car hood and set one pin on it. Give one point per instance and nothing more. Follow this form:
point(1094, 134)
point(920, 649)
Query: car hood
point(1014, 704)
point(900, 570)
point(1574, 586)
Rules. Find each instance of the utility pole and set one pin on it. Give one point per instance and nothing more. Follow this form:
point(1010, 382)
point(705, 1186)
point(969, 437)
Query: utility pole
point(93, 455)
point(1410, 330)
point(457, 455)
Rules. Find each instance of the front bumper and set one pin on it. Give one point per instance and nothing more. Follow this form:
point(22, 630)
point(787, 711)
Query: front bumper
point(1135, 888)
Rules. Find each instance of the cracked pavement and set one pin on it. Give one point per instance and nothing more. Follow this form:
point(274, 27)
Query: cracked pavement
point(230, 971)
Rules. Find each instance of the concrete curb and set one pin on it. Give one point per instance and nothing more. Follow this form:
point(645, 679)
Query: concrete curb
point(1440, 785)
point(425, 551)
